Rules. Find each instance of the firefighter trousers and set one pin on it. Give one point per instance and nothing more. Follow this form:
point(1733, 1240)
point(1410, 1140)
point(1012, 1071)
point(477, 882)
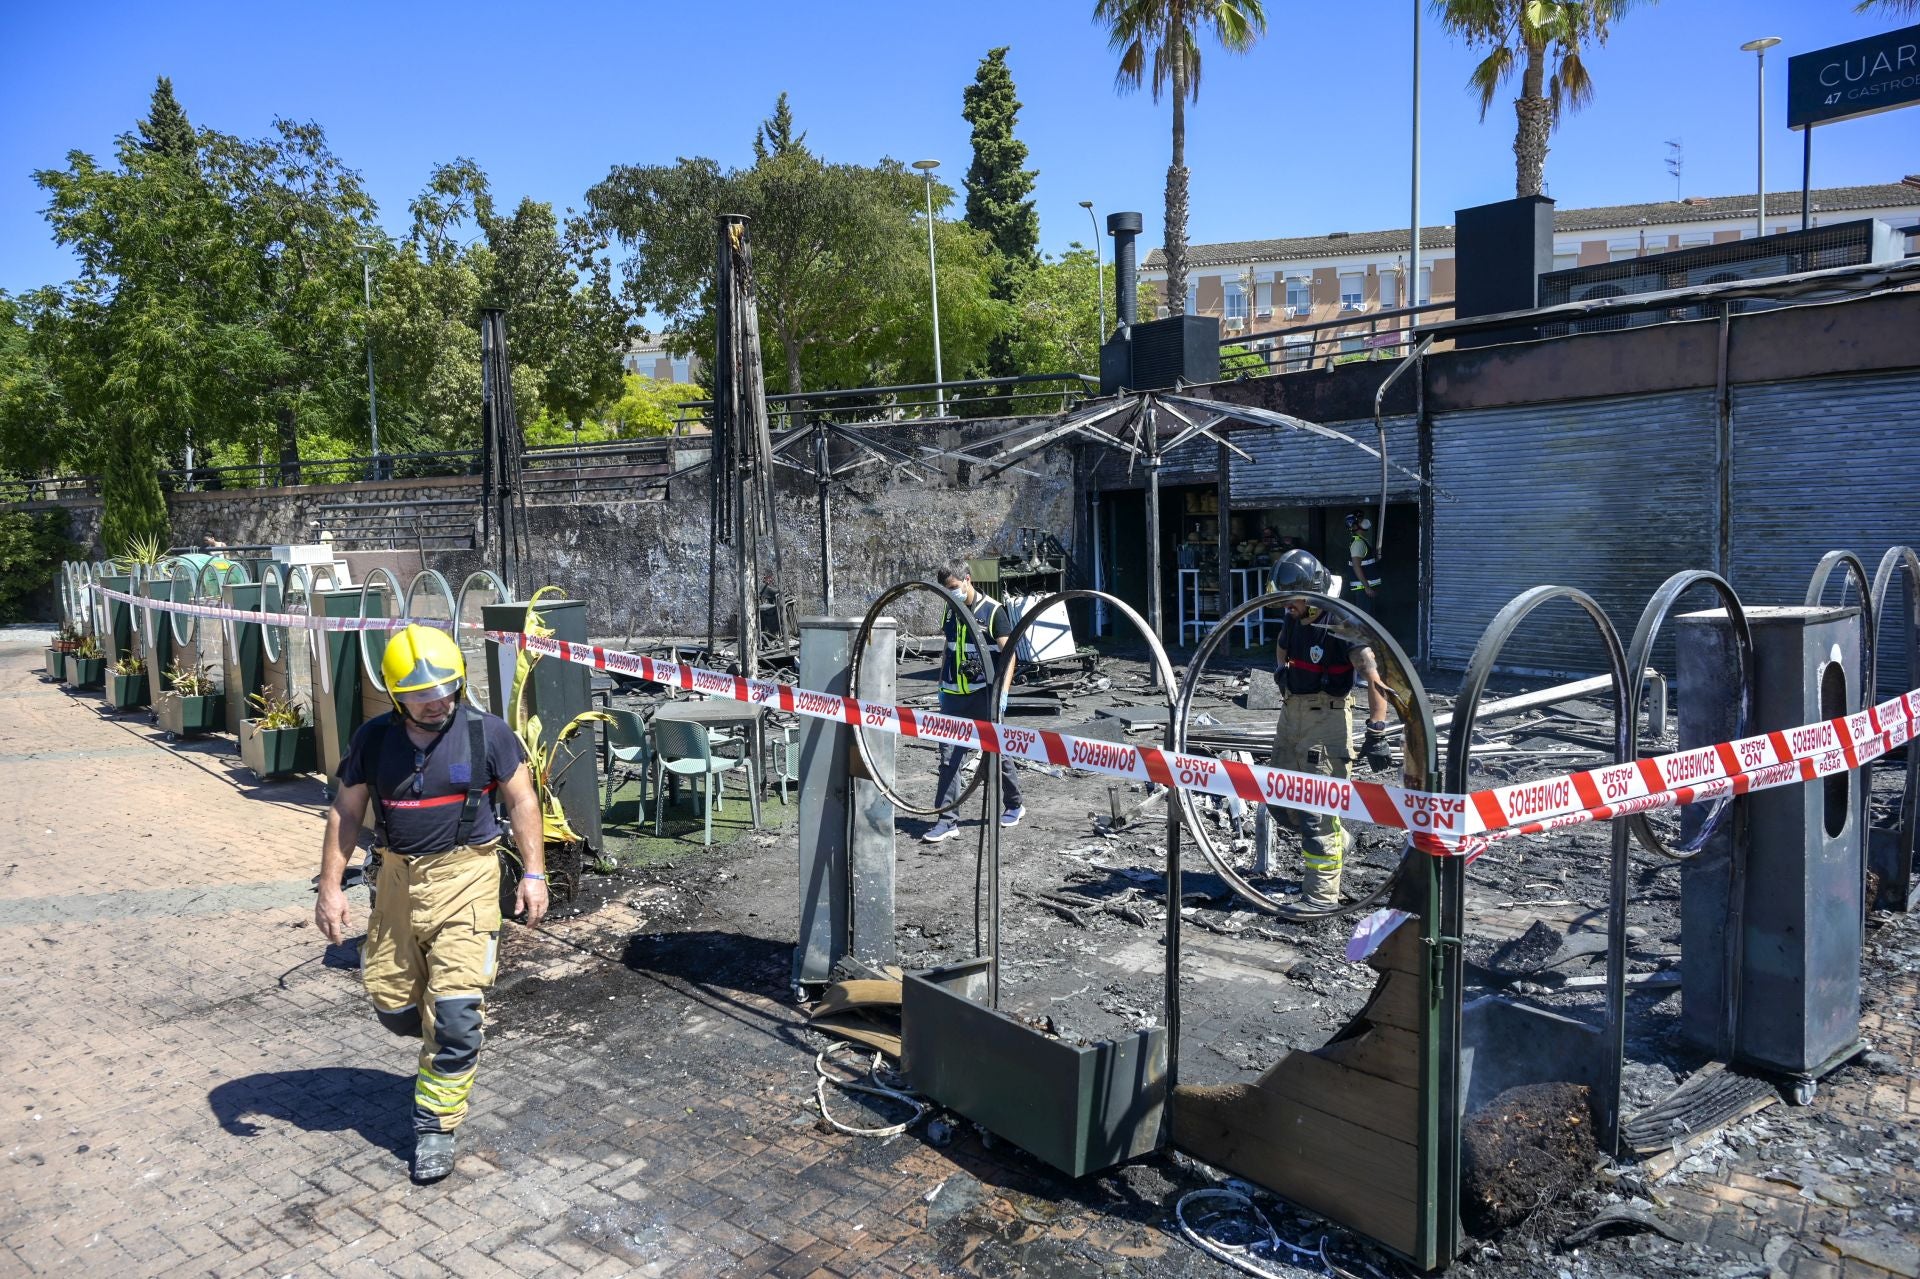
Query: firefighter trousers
point(1315, 735)
point(431, 952)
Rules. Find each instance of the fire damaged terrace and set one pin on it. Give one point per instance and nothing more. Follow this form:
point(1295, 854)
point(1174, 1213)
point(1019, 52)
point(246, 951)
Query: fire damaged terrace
point(1624, 974)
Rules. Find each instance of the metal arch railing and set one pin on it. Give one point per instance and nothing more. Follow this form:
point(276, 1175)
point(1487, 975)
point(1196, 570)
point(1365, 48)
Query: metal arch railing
point(1897, 888)
point(1869, 631)
point(1486, 653)
point(1403, 689)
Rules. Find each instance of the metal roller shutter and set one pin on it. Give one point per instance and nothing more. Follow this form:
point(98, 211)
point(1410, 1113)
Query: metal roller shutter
point(1292, 468)
point(1610, 496)
point(1822, 465)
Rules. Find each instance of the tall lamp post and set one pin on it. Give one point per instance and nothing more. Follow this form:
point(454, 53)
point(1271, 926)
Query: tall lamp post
point(1099, 275)
point(373, 403)
point(1759, 49)
point(933, 275)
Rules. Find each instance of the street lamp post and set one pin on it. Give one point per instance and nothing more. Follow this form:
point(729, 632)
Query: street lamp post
point(1099, 275)
point(933, 275)
point(1759, 49)
point(373, 403)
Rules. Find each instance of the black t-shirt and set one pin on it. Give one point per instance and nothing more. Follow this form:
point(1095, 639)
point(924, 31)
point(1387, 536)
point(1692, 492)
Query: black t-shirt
point(382, 755)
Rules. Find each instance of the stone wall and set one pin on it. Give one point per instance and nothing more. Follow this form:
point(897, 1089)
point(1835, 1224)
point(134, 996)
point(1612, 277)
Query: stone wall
point(645, 565)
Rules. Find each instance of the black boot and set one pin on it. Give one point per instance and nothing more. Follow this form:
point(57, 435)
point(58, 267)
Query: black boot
point(432, 1156)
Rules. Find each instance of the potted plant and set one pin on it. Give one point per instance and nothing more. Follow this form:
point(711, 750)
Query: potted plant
point(278, 741)
point(192, 703)
point(84, 664)
point(127, 683)
point(64, 642)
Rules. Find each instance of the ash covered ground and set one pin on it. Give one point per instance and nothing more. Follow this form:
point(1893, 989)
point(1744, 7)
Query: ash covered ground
point(1083, 914)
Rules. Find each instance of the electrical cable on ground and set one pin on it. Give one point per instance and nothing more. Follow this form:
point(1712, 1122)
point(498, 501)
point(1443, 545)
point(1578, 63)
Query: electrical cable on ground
point(874, 1086)
point(1255, 1258)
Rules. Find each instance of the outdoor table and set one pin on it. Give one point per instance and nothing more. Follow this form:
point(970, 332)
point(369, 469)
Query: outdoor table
point(719, 713)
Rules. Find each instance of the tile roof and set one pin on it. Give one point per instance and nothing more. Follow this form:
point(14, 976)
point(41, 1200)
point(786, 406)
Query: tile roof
point(1607, 217)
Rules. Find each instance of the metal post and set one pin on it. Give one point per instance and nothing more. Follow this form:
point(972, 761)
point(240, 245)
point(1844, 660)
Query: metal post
point(933, 275)
point(1760, 136)
point(1413, 254)
point(1153, 530)
point(1806, 178)
point(1100, 274)
point(373, 404)
point(826, 514)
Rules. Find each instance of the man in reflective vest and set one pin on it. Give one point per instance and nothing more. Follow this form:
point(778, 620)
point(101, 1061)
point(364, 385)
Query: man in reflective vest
point(1316, 659)
point(1362, 555)
point(433, 767)
point(966, 690)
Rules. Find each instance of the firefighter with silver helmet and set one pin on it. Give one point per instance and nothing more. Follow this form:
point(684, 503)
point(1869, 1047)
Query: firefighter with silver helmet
point(434, 768)
point(1316, 660)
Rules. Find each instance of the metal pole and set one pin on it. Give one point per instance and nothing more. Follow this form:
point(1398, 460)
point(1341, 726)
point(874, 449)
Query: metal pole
point(826, 516)
point(933, 276)
point(1806, 179)
point(1760, 134)
point(1100, 274)
point(1413, 253)
point(373, 404)
point(1152, 442)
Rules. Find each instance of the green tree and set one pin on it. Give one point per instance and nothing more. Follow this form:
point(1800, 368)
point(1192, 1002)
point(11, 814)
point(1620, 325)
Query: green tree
point(166, 130)
point(1165, 34)
point(775, 134)
point(839, 258)
point(1545, 40)
point(647, 407)
point(32, 544)
point(1054, 327)
point(999, 190)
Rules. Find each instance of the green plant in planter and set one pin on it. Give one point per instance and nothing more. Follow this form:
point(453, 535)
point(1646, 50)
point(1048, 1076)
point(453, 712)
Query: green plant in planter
point(277, 741)
point(85, 667)
point(192, 703)
point(68, 639)
point(140, 552)
point(127, 683)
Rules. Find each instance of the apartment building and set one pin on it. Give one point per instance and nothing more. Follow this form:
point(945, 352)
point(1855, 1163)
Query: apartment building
point(649, 357)
point(1258, 286)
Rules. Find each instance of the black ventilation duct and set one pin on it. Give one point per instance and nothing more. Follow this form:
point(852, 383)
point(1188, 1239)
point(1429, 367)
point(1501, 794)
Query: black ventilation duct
point(1179, 350)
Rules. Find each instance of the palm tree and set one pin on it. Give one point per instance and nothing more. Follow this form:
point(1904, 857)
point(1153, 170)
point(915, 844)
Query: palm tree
point(1544, 39)
point(1167, 33)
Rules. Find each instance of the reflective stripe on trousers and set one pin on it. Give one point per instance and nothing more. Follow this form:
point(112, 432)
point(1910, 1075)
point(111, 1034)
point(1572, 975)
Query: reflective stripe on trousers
point(1315, 735)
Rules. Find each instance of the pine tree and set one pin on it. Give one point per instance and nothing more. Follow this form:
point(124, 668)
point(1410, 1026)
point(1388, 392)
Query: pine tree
point(775, 134)
point(998, 189)
point(166, 130)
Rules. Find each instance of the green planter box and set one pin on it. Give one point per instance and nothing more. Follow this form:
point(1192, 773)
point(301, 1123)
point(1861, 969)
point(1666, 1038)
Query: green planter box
point(276, 752)
point(126, 692)
point(57, 665)
point(85, 672)
point(190, 716)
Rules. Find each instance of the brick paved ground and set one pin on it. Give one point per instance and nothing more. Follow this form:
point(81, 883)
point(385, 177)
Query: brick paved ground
point(198, 1088)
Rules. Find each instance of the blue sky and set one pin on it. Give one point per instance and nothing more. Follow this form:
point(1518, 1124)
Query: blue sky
point(1307, 134)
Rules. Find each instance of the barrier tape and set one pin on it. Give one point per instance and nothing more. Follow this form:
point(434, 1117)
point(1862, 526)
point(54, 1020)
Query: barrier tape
point(1440, 823)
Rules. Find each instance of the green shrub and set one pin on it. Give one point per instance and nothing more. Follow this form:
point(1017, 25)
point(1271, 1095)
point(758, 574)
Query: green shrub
point(32, 544)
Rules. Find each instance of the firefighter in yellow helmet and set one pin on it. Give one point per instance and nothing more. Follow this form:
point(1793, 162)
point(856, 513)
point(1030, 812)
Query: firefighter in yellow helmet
point(434, 768)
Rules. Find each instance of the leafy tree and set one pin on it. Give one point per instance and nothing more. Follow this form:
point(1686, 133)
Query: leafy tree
point(1166, 32)
point(839, 261)
point(32, 544)
point(1545, 40)
point(647, 407)
point(1055, 323)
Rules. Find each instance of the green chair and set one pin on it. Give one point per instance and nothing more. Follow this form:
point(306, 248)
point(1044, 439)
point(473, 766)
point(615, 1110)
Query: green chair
point(628, 748)
point(681, 749)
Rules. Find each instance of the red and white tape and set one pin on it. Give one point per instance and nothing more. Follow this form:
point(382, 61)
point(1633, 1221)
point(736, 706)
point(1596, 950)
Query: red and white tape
point(1440, 823)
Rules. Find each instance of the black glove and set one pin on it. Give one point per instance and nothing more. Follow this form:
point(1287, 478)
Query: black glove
point(1280, 678)
point(1373, 747)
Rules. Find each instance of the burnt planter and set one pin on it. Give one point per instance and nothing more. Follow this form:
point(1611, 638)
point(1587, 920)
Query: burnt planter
point(85, 672)
point(1080, 1107)
point(126, 692)
point(182, 716)
point(276, 752)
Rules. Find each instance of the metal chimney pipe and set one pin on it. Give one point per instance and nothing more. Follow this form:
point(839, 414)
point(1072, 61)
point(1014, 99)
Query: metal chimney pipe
point(1123, 227)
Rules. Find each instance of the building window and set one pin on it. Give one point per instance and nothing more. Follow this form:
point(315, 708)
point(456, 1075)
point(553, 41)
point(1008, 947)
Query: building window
point(1566, 261)
point(1263, 299)
point(1236, 295)
point(1352, 294)
point(1426, 286)
point(1193, 297)
point(1299, 296)
point(1389, 289)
